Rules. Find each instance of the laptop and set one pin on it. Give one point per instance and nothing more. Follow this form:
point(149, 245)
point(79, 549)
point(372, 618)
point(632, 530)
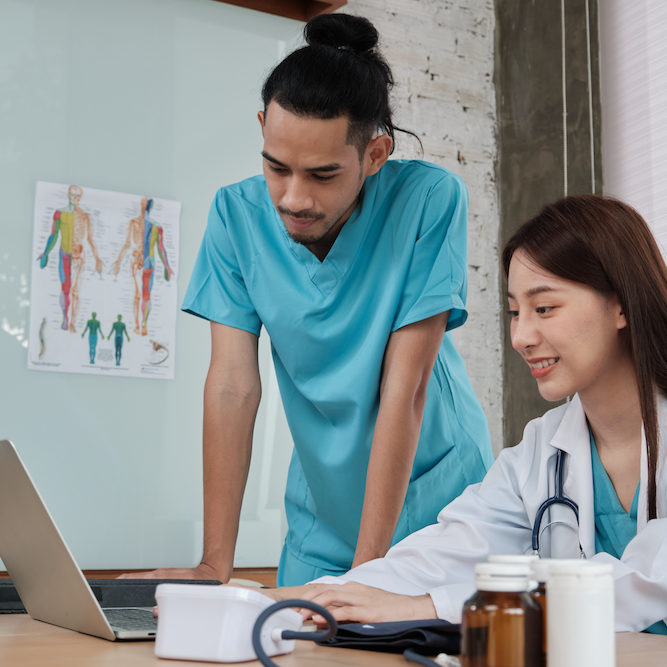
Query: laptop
point(43, 570)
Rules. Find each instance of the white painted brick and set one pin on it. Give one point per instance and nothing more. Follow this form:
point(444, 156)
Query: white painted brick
point(442, 56)
point(434, 87)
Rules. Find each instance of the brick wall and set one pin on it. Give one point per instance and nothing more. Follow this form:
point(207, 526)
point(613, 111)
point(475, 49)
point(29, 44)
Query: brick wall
point(442, 55)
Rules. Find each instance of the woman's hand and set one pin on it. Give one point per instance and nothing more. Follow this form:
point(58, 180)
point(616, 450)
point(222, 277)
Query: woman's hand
point(289, 592)
point(358, 603)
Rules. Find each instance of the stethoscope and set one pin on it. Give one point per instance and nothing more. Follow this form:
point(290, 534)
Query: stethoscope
point(559, 498)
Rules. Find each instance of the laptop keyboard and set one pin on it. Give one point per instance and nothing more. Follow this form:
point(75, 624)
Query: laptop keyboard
point(128, 618)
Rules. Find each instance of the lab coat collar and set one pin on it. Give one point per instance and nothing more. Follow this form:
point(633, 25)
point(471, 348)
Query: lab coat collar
point(572, 436)
point(572, 428)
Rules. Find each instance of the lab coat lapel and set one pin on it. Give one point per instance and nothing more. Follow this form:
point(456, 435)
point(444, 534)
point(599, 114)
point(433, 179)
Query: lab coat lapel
point(573, 438)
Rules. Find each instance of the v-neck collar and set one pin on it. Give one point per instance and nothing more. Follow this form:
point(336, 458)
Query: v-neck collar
point(605, 486)
point(325, 274)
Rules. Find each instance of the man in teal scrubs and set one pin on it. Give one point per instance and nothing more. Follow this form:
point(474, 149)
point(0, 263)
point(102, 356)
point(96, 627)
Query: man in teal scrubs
point(356, 266)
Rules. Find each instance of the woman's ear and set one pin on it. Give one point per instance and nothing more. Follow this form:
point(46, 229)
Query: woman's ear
point(621, 322)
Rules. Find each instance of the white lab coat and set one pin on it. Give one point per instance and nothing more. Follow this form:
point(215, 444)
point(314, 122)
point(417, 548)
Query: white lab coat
point(496, 516)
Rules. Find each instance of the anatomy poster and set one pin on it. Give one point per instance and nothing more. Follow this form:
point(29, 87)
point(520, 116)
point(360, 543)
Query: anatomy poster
point(103, 296)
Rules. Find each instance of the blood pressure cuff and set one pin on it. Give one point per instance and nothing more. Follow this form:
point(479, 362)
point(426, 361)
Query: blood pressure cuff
point(428, 637)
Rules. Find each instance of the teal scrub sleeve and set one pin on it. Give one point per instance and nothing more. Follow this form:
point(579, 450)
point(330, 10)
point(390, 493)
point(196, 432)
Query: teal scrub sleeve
point(217, 290)
point(437, 275)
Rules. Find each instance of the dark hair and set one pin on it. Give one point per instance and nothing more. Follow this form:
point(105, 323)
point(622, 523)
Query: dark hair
point(340, 73)
point(605, 244)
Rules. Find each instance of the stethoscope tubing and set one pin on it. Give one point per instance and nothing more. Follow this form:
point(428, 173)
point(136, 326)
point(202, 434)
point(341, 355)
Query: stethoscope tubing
point(559, 498)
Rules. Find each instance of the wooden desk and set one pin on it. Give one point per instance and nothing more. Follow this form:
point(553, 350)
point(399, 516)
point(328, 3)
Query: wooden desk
point(28, 643)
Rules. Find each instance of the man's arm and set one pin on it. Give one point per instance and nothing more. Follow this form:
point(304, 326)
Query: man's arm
point(408, 363)
point(231, 398)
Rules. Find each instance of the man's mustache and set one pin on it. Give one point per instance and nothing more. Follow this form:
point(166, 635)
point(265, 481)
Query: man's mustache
point(300, 214)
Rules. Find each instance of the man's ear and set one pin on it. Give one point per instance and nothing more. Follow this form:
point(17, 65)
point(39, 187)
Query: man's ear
point(377, 153)
point(260, 118)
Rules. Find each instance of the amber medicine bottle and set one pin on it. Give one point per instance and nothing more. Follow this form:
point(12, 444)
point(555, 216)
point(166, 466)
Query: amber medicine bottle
point(501, 623)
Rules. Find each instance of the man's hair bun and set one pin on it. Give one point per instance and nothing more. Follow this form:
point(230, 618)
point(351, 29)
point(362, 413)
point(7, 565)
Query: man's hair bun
point(341, 31)
point(340, 72)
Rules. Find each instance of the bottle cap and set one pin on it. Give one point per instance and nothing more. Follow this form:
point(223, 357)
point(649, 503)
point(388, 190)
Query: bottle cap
point(508, 577)
point(579, 576)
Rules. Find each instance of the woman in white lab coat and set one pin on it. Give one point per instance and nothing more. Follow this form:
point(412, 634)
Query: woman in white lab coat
point(587, 292)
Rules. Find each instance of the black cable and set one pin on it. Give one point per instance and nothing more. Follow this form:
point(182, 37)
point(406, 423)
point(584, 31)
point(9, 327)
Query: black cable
point(412, 656)
point(318, 636)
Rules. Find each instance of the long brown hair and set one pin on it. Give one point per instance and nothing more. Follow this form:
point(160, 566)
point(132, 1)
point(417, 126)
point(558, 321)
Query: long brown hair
point(605, 244)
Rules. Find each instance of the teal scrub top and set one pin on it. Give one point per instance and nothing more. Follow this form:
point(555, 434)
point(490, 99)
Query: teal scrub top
point(400, 258)
point(614, 527)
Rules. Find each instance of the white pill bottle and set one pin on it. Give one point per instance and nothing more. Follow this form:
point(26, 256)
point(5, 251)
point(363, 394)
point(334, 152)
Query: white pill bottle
point(580, 614)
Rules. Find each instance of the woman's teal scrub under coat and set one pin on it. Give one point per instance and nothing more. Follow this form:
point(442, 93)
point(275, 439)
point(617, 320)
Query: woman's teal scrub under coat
point(614, 527)
point(400, 258)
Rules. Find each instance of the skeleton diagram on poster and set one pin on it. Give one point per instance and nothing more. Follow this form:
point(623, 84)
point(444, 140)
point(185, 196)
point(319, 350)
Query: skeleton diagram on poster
point(103, 296)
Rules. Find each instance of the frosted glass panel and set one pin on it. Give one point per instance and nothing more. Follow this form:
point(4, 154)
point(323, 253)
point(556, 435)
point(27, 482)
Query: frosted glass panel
point(155, 97)
point(633, 66)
